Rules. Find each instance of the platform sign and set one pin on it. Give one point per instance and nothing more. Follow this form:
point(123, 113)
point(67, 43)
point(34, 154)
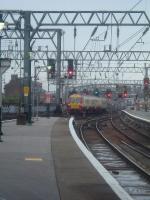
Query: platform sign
point(26, 91)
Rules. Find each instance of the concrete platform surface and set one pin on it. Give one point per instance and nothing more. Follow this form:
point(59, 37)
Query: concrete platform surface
point(42, 162)
point(76, 177)
point(26, 164)
point(140, 114)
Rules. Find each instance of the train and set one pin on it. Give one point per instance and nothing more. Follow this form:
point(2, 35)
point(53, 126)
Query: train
point(75, 104)
point(85, 104)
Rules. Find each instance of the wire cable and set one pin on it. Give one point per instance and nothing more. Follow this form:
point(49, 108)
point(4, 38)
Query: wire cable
point(136, 4)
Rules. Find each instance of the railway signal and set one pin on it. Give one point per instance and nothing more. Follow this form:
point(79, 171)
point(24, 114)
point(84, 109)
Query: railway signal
point(51, 68)
point(85, 92)
point(146, 90)
point(146, 82)
point(70, 72)
point(70, 69)
point(96, 92)
point(109, 94)
point(125, 94)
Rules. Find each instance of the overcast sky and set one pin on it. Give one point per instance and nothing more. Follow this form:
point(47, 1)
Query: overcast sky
point(72, 5)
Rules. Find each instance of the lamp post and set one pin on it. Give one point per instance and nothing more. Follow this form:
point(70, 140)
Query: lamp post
point(48, 90)
point(2, 25)
point(35, 90)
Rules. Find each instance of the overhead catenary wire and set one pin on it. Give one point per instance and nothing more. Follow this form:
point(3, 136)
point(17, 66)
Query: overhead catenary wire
point(131, 37)
point(144, 32)
point(136, 4)
point(105, 33)
point(128, 39)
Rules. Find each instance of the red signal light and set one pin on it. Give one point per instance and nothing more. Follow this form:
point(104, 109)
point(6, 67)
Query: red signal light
point(109, 95)
point(125, 94)
point(146, 81)
point(70, 69)
point(70, 72)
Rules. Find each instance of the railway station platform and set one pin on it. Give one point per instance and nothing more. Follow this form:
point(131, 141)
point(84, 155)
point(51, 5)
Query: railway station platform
point(139, 114)
point(42, 162)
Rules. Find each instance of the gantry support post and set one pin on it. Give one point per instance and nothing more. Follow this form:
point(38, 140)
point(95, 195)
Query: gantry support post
point(58, 76)
point(27, 67)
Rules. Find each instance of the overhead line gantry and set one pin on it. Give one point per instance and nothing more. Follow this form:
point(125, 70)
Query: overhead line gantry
point(138, 56)
point(33, 25)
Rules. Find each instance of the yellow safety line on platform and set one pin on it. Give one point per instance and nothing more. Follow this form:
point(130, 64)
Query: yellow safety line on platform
point(33, 159)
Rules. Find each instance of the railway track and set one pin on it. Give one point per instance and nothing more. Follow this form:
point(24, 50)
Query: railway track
point(133, 179)
point(133, 149)
point(134, 124)
point(132, 134)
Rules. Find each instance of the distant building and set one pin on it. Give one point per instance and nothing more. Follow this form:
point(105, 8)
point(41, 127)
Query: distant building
point(15, 88)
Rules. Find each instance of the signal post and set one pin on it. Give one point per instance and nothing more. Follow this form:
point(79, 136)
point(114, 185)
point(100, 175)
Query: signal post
point(146, 89)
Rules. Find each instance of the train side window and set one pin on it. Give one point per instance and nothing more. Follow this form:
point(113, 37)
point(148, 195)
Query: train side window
point(72, 100)
point(94, 102)
point(77, 100)
point(87, 102)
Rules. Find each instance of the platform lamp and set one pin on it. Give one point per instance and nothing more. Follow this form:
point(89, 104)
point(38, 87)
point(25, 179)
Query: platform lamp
point(2, 26)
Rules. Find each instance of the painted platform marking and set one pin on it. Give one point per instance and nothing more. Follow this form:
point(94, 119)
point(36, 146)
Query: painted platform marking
point(36, 159)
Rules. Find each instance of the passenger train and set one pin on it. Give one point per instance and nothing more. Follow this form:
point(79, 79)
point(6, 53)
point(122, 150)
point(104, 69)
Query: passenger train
point(78, 103)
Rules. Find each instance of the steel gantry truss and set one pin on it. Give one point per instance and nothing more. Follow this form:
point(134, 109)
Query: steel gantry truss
point(103, 82)
point(87, 56)
point(43, 18)
point(31, 26)
point(82, 55)
point(42, 21)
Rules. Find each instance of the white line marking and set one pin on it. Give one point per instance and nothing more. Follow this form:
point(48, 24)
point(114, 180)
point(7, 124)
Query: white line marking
point(33, 159)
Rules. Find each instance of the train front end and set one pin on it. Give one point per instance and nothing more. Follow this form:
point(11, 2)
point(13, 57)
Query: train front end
point(74, 104)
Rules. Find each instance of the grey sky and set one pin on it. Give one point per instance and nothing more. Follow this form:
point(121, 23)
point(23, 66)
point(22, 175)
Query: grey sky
point(71, 5)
